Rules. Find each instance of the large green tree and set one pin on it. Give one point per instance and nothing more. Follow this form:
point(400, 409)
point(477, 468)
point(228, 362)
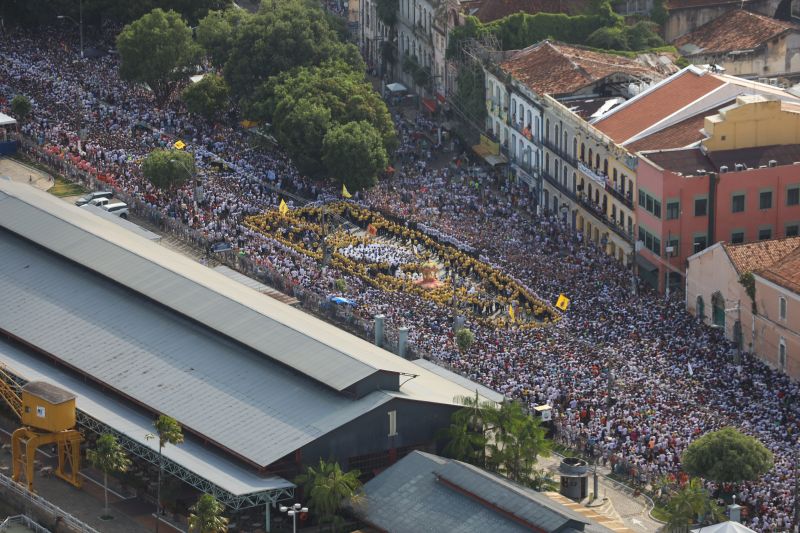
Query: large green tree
point(167, 169)
point(307, 102)
point(157, 50)
point(208, 97)
point(217, 31)
point(354, 153)
point(168, 431)
point(206, 516)
point(727, 456)
point(328, 487)
point(109, 457)
point(283, 35)
point(21, 107)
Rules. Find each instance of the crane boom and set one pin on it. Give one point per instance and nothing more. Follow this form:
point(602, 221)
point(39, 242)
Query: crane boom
point(8, 391)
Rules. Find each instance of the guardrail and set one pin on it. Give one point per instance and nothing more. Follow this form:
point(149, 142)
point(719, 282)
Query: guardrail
point(58, 514)
point(22, 520)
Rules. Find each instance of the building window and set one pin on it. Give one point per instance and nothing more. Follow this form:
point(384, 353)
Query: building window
point(792, 230)
point(782, 354)
point(392, 423)
point(700, 207)
point(650, 204)
point(718, 310)
point(765, 200)
point(737, 237)
point(793, 195)
point(673, 210)
point(40, 412)
point(701, 308)
point(764, 234)
point(737, 203)
point(782, 307)
point(700, 243)
point(651, 242)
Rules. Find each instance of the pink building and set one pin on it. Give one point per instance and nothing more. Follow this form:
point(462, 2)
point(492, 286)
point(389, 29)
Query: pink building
point(689, 200)
point(764, 321)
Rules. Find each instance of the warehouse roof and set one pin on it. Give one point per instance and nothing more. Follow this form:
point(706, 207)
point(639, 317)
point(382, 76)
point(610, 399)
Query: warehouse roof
point(108, 328)
point(460, 498)
point(289, 336)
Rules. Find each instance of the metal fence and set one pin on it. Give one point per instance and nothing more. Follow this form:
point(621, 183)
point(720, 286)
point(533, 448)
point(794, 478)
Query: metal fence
point(22, 520)
point(58, 514)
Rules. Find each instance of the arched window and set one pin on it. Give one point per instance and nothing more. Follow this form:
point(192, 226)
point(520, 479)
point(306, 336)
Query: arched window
point(597, 161)
point(547, 130)
point(700, 312)
point(718, 309)
point(583, 152)
point(605, 167)
point(574, 147)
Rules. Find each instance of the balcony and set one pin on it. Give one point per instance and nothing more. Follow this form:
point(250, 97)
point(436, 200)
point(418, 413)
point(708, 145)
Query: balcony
point(610, 223)
point(520, 128)
point(422, 33)
point(616, 192)
point(559, 152)
point(558, 185)
point(596, 176)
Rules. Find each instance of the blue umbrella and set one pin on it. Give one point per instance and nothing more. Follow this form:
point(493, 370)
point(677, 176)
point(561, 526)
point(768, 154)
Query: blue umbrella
point(341, 301)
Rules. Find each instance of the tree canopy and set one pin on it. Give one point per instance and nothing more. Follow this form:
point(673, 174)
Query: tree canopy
point(21, 107)
point(464, 339)
point(327, 488)
point(208, 97)
point(167, 169)
point(158, 50)
point(727, 456)
point(109, 457)
point(307, 102)
point(283, 35)
point(692, 504)
point(206, 516)
point(354, 154)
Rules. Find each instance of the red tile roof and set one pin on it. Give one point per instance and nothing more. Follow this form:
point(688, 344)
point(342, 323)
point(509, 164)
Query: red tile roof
point(558, 69)
point(643, 111)
point(761, 255)
point(489, 10)
point(784, 272)
point(679, 135)
point(734, 30)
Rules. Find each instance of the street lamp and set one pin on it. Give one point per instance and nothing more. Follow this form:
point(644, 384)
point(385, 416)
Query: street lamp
point(292, 511)
point(79, 23)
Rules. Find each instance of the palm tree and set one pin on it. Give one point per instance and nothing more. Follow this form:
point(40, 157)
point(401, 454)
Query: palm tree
point(515, 441)
point(206, 516)
point(108, 456)
point(169, 432)
point(327, 486)
point(691, 504)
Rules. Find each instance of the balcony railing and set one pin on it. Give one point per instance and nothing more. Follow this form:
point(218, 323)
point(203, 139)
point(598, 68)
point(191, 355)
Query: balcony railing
point(596, 176)
point(422, 33)
point(616, 192)
point(520, 128)
point(559, 152)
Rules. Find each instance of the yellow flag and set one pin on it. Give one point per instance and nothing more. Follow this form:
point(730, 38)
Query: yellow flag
point(179, 145)
point(283, 208)
point(345, 192)
point(563, 302)
point(511, 313)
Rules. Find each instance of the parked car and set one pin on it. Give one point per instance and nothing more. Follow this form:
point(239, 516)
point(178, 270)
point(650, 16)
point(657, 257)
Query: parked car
point(100, 202)
point(91, 196)
point(118, 208)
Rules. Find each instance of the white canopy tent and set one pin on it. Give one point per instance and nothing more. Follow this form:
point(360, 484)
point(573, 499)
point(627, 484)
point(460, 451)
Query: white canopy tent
point(5, 120)
point(396, 87)
point(724, 527)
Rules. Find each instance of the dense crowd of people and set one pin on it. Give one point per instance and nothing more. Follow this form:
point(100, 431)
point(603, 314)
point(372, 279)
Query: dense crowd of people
point(673, 378)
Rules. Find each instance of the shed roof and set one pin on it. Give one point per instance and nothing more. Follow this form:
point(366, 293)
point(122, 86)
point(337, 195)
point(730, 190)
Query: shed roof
point(557, 69)
point(48, 392)
point(458, 497)
point(733, 31)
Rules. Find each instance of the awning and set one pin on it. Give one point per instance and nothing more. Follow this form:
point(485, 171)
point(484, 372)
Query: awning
point(5, 120)
point(396, 87)
point(429, 104)
point(645, 264)
point(487, 153)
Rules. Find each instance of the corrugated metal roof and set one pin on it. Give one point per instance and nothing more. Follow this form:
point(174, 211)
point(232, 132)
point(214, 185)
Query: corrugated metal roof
point(408, 497)
point(249, 405)
point(290, 336)
point(201, 460)
point(121, 222)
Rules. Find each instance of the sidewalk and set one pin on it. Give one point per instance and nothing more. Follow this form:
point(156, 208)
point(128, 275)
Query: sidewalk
point(633, 511)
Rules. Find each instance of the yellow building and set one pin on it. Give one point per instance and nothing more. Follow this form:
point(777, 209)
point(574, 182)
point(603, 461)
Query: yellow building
point(752, 121)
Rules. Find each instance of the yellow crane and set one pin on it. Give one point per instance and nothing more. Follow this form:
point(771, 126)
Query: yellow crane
point(47, 414)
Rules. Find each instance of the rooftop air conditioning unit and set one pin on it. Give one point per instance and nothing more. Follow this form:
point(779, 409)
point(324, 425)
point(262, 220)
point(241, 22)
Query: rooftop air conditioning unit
point(773, 82)
point(772, 163)
point(723, 169)
point(739, 167)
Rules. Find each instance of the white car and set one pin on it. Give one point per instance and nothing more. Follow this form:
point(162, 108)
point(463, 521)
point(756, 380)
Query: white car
point(118, 208)
point(92, 196)
point(100, 202)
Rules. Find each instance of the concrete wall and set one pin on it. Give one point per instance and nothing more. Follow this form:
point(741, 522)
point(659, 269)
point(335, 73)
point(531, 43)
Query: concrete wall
point(752, 121)
point(769, 330)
